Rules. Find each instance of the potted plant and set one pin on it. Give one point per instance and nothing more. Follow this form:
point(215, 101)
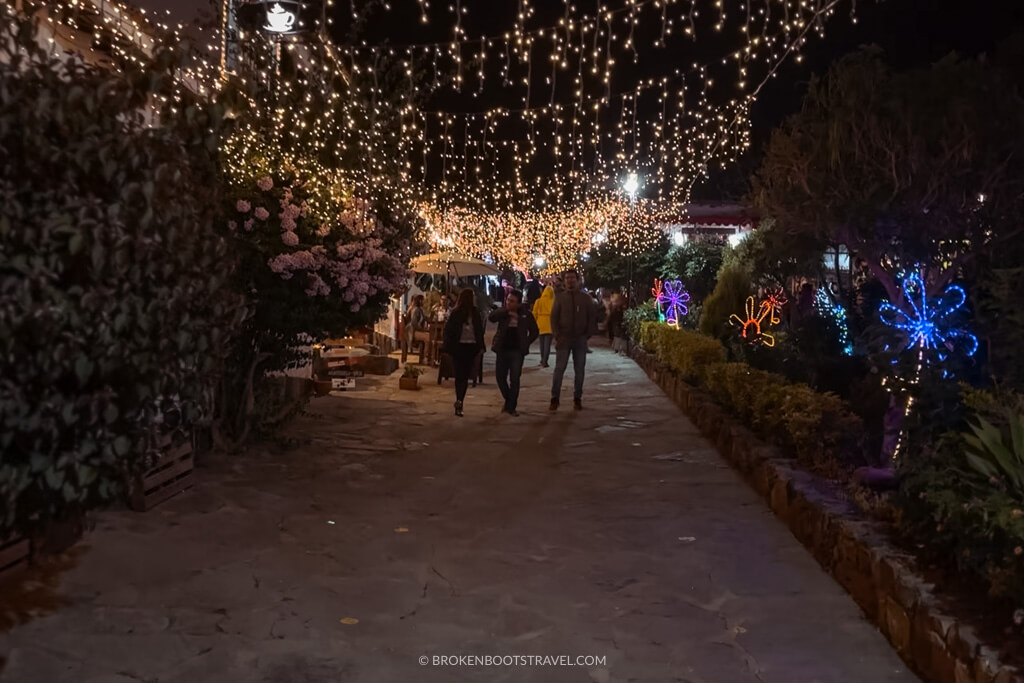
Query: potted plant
point(409, 376)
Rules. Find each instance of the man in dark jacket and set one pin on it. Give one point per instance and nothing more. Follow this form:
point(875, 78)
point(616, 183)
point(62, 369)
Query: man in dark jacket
point(573, 322)
point(516, 331)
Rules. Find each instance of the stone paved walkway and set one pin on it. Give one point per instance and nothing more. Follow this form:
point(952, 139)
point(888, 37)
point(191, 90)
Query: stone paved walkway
point(616, 532)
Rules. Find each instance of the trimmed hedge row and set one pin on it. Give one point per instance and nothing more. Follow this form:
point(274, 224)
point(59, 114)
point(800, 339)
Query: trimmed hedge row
point(687, 352)
point(817, 428)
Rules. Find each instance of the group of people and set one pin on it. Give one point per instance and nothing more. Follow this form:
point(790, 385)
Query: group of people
point(568, 318)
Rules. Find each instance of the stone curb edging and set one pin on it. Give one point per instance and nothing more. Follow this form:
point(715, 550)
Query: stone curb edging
point(854, 551)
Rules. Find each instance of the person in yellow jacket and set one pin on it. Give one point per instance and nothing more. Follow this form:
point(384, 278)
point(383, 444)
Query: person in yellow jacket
point(542, 314)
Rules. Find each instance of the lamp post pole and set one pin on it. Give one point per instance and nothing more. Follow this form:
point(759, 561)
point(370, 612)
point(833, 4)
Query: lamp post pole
point(631, 185)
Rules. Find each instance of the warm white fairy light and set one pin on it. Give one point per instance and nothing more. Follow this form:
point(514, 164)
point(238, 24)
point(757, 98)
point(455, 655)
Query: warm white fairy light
point(572, 120)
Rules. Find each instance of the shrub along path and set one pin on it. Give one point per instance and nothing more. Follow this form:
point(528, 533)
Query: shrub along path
point(394, 531)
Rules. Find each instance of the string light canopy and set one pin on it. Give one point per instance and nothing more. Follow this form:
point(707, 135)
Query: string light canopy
point(529, 124)
point(508, 142)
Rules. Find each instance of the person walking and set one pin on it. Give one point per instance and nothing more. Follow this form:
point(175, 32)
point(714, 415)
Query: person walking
point(617, 325)
point(573, 321)
point(533, 292)
point(599, 315)
point(516, 331)
point(542, 314)
point(464, 342)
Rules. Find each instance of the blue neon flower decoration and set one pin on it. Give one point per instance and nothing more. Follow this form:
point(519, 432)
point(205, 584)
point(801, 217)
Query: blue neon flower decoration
point(928, 326)
point(673, 298)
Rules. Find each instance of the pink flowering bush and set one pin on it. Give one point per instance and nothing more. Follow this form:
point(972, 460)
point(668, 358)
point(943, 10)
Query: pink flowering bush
point(309, 275)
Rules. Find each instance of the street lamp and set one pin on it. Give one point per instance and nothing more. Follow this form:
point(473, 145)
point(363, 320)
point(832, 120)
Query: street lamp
point(631, 185)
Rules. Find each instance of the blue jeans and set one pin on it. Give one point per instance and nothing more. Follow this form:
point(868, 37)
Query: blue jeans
point(578, 348)
point(545, 348)
point(508, 367)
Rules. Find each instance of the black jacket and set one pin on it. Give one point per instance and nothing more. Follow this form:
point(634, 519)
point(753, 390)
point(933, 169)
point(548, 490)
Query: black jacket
point(453, 330)
point(533, 291)
point(527, 329)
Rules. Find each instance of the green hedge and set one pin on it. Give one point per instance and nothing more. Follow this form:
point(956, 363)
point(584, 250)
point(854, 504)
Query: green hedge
point(686, 351)
point(114, 309)
point(636, 317)
point(818, 429)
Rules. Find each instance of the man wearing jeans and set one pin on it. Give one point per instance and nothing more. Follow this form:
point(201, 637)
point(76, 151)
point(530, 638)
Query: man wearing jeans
point(573, 321)
point(516, 331)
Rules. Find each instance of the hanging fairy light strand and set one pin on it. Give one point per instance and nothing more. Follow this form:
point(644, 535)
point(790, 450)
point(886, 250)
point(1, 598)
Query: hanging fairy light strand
point(567, 114)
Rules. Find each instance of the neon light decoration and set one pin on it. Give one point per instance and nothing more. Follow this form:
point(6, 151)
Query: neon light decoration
point(825, 307)
point(750, 328)
point(673, 297)
point(776, 298)
point(927, 326)
point(658, 292)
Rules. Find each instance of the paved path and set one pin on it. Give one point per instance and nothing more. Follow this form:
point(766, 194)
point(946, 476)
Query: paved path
point(616, 533)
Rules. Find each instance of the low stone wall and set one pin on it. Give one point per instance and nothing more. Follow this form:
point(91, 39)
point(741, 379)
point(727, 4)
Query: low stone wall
point(853, 549)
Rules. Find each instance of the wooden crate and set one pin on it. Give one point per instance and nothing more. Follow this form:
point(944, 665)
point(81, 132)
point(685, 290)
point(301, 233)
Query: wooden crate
point(14, 554)
point(172, 474)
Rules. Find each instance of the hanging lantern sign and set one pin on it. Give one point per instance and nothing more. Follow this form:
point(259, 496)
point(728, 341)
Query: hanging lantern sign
point(279, 17)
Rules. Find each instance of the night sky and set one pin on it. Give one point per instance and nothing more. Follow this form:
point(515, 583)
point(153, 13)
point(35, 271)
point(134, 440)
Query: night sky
point(911, 33)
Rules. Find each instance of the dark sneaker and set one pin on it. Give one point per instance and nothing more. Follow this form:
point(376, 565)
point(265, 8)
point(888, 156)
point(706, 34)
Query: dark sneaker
point(458, 408)
point(577, 404)
point(554, 404)
point(513, 413)
point(504, 409)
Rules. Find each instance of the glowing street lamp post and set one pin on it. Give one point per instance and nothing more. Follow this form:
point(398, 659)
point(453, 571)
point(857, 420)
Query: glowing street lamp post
point(630, 186)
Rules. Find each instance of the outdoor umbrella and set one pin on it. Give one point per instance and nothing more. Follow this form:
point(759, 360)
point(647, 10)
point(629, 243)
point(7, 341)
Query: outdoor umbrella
point(447, 263)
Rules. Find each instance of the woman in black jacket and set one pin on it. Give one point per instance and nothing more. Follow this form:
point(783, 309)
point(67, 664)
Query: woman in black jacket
point(464, 341)
point(516, 331)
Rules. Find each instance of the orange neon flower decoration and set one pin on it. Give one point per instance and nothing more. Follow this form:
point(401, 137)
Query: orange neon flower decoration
point(750, 329)
point(776, 298)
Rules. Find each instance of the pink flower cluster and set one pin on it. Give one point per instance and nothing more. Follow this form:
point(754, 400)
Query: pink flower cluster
point(317, 286)
point(289, 212)
point(357, 217)
point(347, 269)
point(243, 206)
point(286, 265)
point(265, 183)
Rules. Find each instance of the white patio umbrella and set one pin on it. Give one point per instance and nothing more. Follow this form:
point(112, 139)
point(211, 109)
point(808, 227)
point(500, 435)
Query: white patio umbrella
point(448, 263)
